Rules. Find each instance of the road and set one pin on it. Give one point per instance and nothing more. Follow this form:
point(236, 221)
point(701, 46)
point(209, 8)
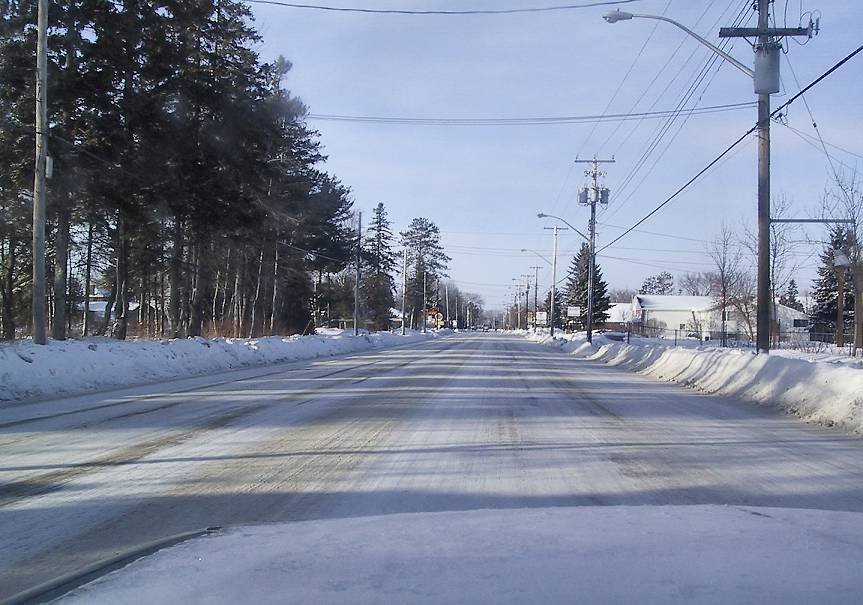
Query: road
point(456, 423)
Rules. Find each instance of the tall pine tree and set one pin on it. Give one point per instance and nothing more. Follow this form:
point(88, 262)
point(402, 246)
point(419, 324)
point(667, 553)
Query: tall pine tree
point(825, 289)
point(380, 262)
point(576, 289)
point(427, 261)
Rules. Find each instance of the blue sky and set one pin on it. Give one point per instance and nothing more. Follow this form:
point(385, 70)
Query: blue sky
point(483, 185)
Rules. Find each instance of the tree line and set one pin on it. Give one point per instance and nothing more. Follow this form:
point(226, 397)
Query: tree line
point(186, 182)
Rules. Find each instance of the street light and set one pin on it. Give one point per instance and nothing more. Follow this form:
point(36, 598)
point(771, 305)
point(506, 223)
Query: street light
point(841, 263)
point(765, 77)
point(536, 253)
point(590, 269)
point(564, 221)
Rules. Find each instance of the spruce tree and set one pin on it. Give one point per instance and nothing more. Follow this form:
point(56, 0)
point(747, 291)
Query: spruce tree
point(825, 289)
point(577, 287)
point(427, 261)
point(789, 298)
point(380, 262)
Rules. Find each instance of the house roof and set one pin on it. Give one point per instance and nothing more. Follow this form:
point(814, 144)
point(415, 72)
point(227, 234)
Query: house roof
point(674, 303)
point(619, 312)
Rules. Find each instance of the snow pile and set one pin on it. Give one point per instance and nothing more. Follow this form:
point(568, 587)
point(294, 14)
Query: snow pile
point(817, 390)
point(77, 366)
point(616, 554)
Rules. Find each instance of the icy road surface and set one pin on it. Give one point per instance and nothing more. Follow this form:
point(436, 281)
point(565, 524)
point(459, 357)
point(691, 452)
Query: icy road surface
point(465, 422)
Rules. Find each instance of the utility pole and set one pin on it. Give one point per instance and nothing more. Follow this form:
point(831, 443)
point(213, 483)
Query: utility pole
point(425, 303)
point(404, 287)
point(535, 293)
point(553, 277)
point(39, 185)
point(595, 196)
point(357, 284)
point(446, 301)
point(527, 301)
point(456, 311)
point(766, 79)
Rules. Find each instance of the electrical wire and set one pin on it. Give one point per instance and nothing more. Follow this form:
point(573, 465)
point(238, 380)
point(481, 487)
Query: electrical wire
point(522, 121)
point(504, 11)
point(715, 160)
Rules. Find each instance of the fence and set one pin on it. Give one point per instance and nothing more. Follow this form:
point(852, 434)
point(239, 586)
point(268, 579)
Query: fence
point(800, 340)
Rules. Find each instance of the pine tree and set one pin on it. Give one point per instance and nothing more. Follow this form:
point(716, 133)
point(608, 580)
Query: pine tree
point(660, 284)
point(380, 262)
point(577, 287)
point(428, 263)
point(825, 289)
point(558, 308)
point(789, 299)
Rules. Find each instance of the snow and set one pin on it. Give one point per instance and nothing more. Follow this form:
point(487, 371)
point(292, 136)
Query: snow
point(824, 388)
point(664, 554)
point(620, 312)
point(29, 371)
point(675, 303)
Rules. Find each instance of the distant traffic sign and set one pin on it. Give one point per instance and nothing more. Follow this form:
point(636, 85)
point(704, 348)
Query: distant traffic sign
point(573, 311)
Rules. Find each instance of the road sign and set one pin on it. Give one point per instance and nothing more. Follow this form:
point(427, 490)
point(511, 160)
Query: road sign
point(541, 317)
point(573, 311)
point(439, 316)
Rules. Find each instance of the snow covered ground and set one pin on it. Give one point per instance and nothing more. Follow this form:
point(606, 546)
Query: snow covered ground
point(29, 371)
point(664, 554)
point(819, 387)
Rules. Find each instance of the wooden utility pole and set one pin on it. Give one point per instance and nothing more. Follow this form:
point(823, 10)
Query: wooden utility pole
point(766, 81)
point(39, 185)
point(357, 284)
point(591, 198)
point(404, 286)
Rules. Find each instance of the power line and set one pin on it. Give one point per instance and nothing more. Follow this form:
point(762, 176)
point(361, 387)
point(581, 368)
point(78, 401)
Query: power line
point(715, 160)
point(520, 121)
point(504, 11)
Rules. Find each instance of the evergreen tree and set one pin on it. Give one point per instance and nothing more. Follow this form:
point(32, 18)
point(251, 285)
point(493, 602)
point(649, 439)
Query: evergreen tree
point(427, 261)
point(825, 289)
point(379, 263)
point(577, 289)
point(660, 284)
point(789, 299)
point(559, 308)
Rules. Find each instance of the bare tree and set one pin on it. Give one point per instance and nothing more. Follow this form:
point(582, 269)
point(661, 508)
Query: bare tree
point(844, 200)
point(697, 284)
point(783, 264)
point(727, 276)
point(621, 294)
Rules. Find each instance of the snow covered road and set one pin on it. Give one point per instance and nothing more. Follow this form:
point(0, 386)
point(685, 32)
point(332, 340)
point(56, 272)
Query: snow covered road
point(466, 422)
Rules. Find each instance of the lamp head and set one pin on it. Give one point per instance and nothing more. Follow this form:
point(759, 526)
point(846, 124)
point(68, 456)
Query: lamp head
point(541, 215)
point(616, 15)
point(840, 259)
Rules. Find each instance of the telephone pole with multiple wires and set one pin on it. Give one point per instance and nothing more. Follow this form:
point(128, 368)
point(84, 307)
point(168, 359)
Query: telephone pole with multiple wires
point(591, 196)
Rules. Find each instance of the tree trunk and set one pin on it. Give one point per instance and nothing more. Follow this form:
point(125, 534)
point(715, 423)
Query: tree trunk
point(121, 305)
point(8, 293)
point(275, 287)
point(201, 287)
point(256, 299)
point(174, 281)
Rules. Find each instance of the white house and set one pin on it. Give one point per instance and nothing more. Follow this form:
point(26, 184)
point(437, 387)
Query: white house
point(701, 317)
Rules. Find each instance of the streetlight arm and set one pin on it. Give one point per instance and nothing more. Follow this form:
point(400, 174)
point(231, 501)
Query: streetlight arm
point(564, 221)
point(618, 15)
point(537, 253)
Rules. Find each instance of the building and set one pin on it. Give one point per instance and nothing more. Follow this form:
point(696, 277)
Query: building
point(701, 317)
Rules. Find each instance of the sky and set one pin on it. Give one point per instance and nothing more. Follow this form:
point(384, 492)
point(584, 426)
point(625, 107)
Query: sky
point(483, 185)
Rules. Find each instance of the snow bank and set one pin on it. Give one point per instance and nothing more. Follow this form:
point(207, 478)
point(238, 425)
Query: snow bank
point(76, 366)
point(818, 390)
point(615, 554)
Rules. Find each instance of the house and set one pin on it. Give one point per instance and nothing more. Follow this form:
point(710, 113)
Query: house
point(701, 317)
point(658, 315)
point(619, 316)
